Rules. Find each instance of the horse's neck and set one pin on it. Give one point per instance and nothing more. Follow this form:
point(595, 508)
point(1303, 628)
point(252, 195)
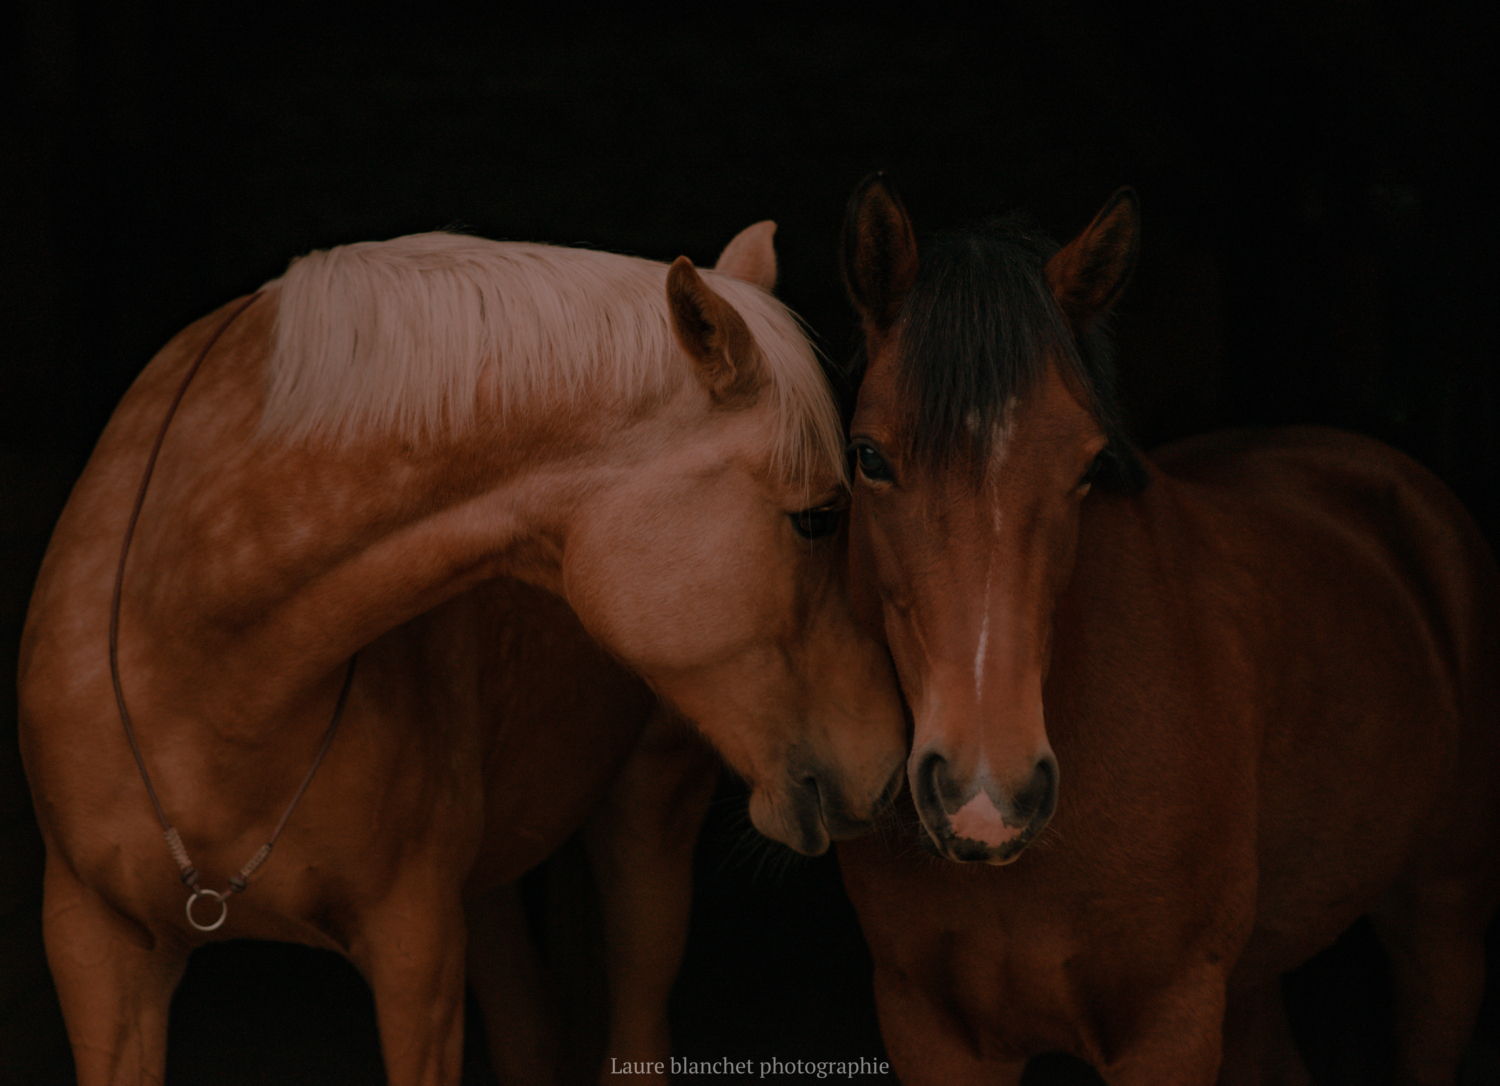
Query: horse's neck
point(1128, 542)
point(273, 564)
point(1151, 579)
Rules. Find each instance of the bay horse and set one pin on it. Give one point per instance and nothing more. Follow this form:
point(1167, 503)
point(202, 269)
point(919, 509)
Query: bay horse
point(533, 489)
point(1177, 722)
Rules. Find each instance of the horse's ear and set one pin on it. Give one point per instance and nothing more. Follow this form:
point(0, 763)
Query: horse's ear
point(751, 256)
point(879, 254)
point(1088, 274)
point(713, 334)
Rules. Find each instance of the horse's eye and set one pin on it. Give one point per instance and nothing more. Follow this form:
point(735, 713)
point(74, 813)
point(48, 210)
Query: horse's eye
point(872, 465)
point(1093, 470)
point(818, 523)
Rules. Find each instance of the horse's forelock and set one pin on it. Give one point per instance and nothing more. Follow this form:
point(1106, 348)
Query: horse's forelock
point(978, 329)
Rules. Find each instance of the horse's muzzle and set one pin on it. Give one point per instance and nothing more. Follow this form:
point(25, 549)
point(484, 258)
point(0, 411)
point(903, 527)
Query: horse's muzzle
point(822, 811)
point(978, 821)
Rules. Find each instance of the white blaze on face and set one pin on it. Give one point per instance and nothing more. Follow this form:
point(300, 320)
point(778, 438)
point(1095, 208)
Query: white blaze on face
point(992, 472)
point(984, 640)
point(979, 820)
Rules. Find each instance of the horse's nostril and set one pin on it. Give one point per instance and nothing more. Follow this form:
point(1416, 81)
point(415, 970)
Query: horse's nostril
point(927, 781)
point(1038, 799)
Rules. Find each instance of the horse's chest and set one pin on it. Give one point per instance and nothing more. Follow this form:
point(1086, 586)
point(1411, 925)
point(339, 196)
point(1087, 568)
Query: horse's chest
point(954, 955)
point(530, 814)
point(1007, 963)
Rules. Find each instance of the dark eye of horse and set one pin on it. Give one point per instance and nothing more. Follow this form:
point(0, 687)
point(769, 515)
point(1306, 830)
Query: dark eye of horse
point(818, 523)
point(1093, 470)
point(872, 465)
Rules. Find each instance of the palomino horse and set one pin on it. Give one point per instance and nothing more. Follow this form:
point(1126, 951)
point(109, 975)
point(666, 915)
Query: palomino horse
point(1196, 715)
point(466, 462)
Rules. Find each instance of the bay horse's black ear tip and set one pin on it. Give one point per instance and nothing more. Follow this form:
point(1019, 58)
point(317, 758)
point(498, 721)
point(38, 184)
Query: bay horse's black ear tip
point(1126, 199)
point(1119, 221)
point(876, 182)
point(875, 209)
point(857, 200)
point(879, 255)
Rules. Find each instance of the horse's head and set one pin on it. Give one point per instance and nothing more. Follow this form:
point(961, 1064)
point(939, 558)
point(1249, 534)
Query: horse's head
point(982, 424)
point(715, 562)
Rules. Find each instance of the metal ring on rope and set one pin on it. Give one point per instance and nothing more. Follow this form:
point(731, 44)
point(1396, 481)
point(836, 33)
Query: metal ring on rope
point(212, 895)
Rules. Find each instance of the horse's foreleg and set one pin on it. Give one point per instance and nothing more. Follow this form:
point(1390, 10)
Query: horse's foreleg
point(1434, 934)
point(928, 1037)
point(1180, 1037)
point(514, 991)
point(640, 844)
point(114, 981)
point(1259, 1049)
point(411, 950)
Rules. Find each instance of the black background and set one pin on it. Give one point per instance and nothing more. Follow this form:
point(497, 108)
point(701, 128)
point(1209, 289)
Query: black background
point(1318, 248)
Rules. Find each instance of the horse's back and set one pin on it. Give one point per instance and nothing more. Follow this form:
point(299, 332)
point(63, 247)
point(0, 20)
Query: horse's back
point(1375, 497)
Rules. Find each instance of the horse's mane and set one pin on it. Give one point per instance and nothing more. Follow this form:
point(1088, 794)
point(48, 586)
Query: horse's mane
point(977, 329)
point(402, 337)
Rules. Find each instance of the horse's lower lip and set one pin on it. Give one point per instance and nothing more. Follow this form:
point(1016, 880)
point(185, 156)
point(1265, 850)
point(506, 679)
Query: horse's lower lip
point(1002, 856)
point(842, 827)
point(815, 844)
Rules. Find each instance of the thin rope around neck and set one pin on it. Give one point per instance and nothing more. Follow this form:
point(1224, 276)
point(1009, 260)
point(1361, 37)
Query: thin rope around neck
point(190, 877)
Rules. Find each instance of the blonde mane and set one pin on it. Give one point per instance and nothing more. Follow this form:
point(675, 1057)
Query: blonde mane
point(400, 337)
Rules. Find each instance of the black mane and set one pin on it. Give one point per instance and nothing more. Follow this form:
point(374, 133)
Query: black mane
point(977, 329)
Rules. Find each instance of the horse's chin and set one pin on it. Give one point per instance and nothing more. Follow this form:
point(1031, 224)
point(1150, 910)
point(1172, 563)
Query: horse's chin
point(791, 820)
